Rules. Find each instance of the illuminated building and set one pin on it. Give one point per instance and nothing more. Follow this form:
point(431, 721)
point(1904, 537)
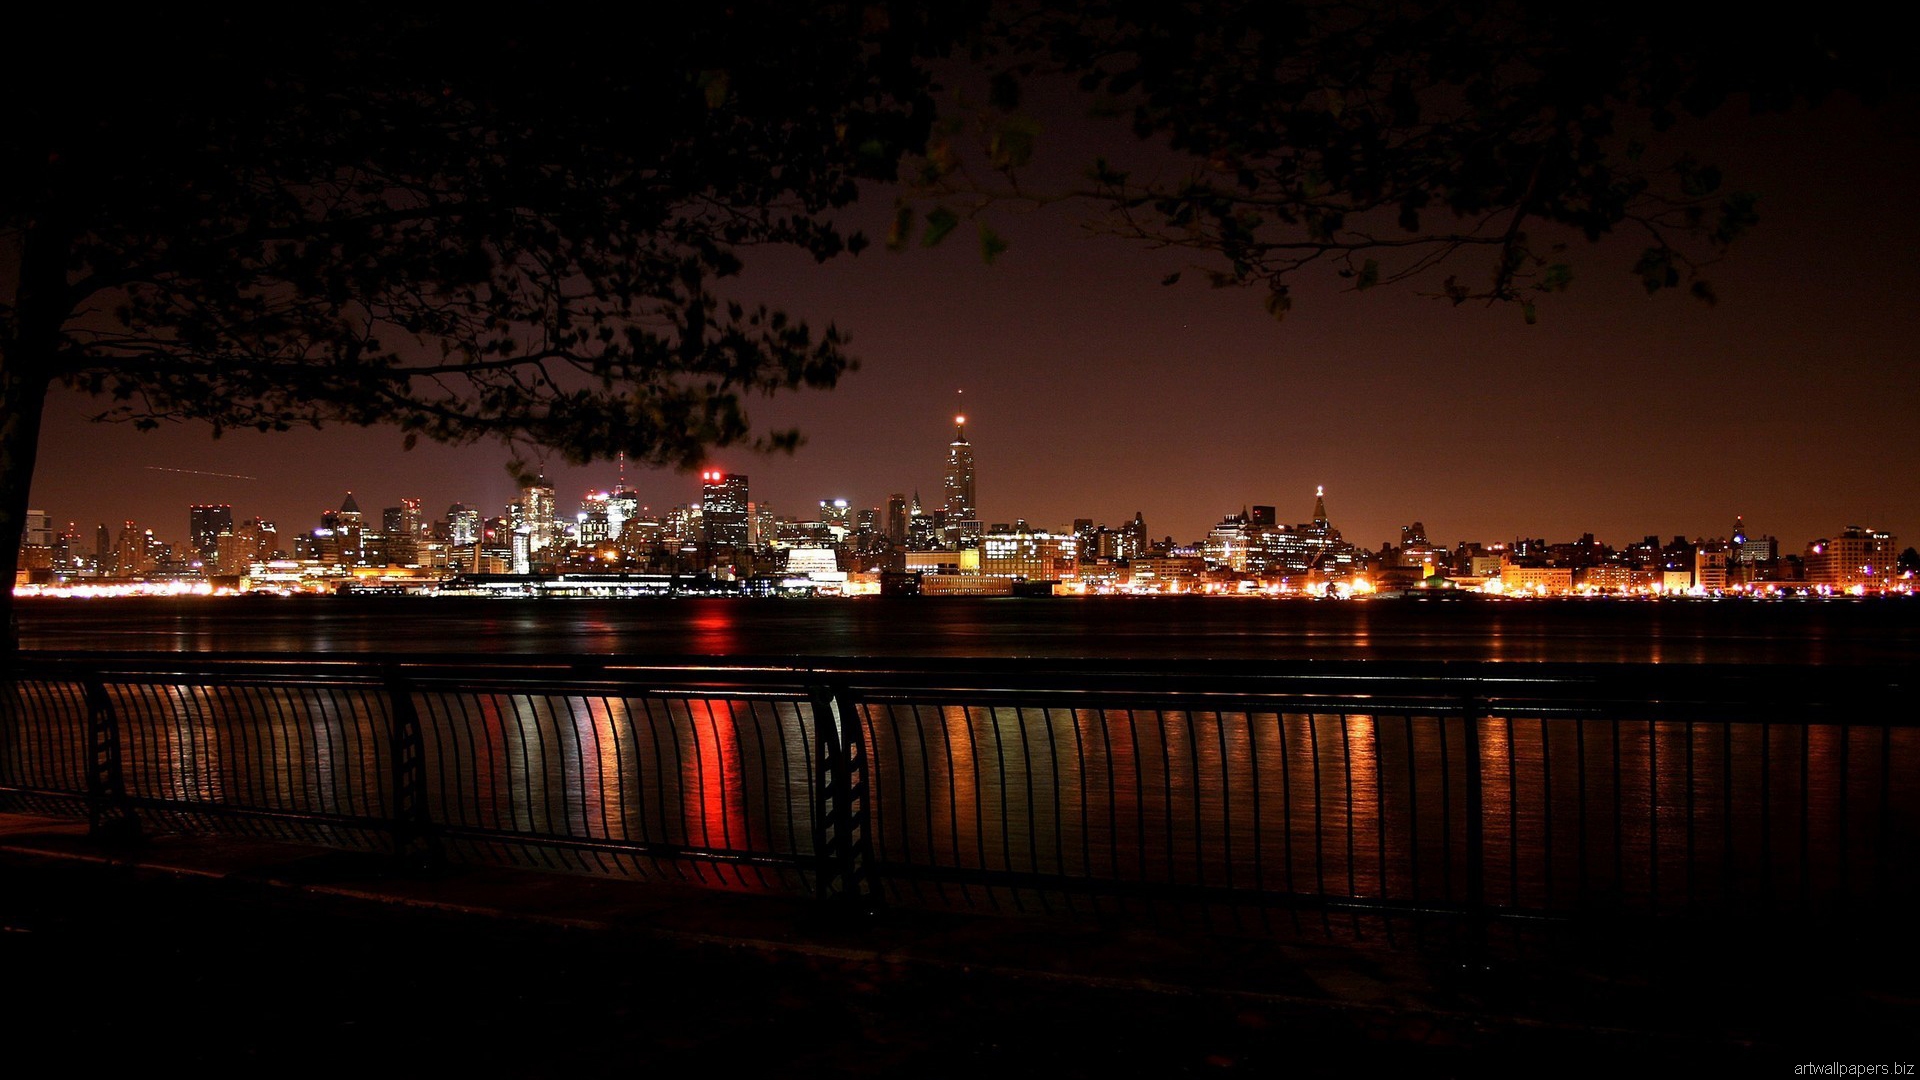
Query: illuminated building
point(1029, 554)
point(623, 505)
point(1548, 580)
point(535, 512)
point(338, 537)
point(1710, 568)
point(834, 515)
point(1228, 543)
point(762, 531)
point(723, 510)
point(1133, 538)
point(595, 519)
point(204, 526)
point(400, 527)
point(802, 561)
point(962, 511)
point(1857, 558)
point(1172, 573)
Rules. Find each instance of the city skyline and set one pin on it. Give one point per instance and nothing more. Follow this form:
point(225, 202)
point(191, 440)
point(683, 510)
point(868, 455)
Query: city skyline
point(1093, 390)
point(728, 516)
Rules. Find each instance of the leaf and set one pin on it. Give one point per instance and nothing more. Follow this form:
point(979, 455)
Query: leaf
point(1171, 279)
point(902, 228)
point(1704, 293)
point(1529, 313)
point(1012, 143)
point(1369, 275)
point(940, 222)
point(1278, 302)
point(991, 244)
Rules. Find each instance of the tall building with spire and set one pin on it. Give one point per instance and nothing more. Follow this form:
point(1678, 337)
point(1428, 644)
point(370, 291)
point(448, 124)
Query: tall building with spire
point(962, 512)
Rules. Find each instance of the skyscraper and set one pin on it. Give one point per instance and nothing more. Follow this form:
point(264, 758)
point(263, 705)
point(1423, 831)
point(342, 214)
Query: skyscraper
point(962, 512)
point(897, 519)
point(536, 510)
point(204, 526)
point(723, 509)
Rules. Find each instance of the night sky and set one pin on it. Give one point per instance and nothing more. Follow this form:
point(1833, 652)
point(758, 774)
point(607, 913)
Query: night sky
point(1093, 391)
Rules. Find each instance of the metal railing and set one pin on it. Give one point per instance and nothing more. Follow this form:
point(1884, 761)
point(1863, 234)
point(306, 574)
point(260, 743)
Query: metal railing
point(1292, 792)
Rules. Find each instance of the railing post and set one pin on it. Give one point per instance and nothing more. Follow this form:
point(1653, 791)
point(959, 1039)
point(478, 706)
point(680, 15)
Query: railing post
point(110, 813)
point(1477, 913)
point(413, 841)
point(841, 841)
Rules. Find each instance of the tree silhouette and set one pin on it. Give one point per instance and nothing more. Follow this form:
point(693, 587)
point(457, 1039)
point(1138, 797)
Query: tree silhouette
point(526, 231)
point(1470, 144)
point(468, 230)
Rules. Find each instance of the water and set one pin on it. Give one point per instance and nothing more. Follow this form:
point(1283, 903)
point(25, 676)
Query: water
point(1363, 804)
point(1683, 632)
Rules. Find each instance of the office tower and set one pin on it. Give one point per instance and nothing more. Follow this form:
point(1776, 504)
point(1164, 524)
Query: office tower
point(723, 509)
point(1133, 537)
point(537, 506)
point(836, 517)
point(623, 505)
point(897, 519)
point(962, 511)
point(1863, 557)
point(960, 505)
point(204, 526)
point(463, 526)
point(400, 526)
point(339, 533)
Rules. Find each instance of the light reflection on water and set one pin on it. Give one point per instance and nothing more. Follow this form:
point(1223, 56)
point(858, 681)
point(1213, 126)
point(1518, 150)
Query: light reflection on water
point(1654, 815)
point(1663, 814)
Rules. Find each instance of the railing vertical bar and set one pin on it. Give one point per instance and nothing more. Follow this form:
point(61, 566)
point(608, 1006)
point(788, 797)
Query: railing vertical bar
point(1546, 810)
point(1286, 819)
point(1112, 768)
point(1766, 808)
point(1139, 802)
point(1583, 887)
point(1446, 812)
point(1806, 812)
point(1346, 783)
point(1692, 861)
point(1653, 816)
point(1413, 811)
point(1259, 814)
point(1472, 777)
point(1319, 821)
point(1513, 816)
point(1166, 794)
point(1618, 795)
point(1844, 779)
point(1032, 809)
point(1726, 812)
point(110, 813)
point(1053, 791)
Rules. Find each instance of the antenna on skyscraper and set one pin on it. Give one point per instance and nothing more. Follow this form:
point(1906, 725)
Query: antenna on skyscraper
point(623, 471)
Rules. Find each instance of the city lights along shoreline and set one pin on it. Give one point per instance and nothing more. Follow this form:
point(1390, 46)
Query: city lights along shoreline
point(726, 543)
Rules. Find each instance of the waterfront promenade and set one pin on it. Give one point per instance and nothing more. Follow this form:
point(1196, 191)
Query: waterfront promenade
point(227, 956)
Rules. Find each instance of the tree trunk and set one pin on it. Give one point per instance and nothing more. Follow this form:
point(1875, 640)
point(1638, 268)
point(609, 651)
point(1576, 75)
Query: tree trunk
point(23, 398)
point(27, 350)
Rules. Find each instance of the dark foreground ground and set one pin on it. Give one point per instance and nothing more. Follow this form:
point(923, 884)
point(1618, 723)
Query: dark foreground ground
point(236, 958)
